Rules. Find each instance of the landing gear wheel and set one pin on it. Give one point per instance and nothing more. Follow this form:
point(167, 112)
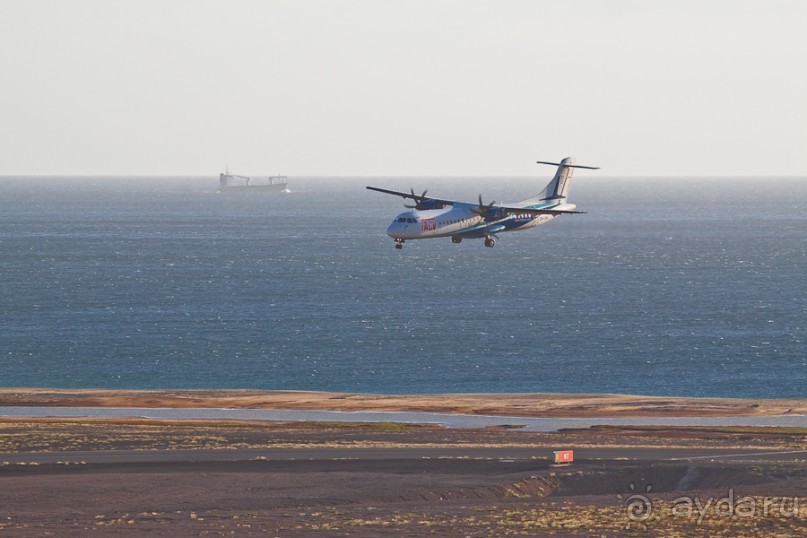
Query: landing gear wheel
point(456, 239)
point(489, 242)
point(399, 243)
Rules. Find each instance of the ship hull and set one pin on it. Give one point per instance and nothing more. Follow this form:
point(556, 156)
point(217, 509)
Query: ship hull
point(276, 187)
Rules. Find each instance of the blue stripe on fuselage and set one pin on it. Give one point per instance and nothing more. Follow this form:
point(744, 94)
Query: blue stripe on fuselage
point(482, 231)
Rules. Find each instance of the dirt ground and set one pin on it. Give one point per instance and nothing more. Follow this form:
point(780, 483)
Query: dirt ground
point(401, 498)
point(413, 496)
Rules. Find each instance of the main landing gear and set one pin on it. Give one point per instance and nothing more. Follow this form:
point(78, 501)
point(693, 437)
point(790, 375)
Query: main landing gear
point(490, 242)
point(456, 239)
point(399, 243)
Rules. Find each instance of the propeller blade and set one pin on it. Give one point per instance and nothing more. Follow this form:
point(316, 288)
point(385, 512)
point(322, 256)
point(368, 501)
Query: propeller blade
point(418, 200)
point(483, 209)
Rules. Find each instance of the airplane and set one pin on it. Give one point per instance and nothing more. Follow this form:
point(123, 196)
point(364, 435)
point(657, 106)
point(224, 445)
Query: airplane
point(434, 217)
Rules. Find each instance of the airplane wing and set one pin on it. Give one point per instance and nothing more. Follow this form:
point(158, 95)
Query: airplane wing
point(420, 199)
point(425, 202)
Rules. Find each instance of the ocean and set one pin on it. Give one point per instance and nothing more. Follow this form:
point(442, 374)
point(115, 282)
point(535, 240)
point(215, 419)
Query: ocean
point(667, 286)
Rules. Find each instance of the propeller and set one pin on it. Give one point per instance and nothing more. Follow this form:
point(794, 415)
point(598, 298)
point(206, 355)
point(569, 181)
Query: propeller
point(418, 200)
point(483, 210)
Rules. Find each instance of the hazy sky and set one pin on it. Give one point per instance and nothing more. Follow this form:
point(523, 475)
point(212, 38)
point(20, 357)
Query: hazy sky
point(373, 87)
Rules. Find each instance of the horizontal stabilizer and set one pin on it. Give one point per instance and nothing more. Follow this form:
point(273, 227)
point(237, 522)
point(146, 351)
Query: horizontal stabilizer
point(570, 165)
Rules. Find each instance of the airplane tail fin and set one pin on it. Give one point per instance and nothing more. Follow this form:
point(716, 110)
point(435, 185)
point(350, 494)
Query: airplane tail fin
point(558, 189)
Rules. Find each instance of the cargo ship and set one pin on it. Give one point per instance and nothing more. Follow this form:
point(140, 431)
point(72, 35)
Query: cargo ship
point(234, 182)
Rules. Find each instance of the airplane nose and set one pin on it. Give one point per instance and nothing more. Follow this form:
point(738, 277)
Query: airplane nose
point(404, 226)
point(393, 230)
point(399, 230)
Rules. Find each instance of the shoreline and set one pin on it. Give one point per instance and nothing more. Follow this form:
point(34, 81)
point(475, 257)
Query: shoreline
point(514, 405)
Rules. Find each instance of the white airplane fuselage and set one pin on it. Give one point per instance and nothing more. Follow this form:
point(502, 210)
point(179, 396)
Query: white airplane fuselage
point(459, 220)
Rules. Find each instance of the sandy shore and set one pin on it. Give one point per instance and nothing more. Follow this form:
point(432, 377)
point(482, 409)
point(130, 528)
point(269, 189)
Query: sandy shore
point(527, 405)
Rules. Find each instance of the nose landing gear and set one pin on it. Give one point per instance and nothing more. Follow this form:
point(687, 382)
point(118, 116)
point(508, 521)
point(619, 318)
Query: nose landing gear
point(399, 244)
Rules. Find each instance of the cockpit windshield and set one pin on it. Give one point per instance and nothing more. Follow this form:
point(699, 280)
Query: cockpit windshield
point(406, 219)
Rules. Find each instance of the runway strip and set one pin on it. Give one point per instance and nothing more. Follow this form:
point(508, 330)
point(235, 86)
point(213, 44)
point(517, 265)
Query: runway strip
point(448, 420)
point(503, 454)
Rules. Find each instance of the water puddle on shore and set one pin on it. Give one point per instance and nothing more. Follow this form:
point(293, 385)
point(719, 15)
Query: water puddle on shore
point(448, 420)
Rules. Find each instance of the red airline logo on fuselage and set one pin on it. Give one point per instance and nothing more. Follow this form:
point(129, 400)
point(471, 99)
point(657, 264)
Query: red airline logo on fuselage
point(428, 225)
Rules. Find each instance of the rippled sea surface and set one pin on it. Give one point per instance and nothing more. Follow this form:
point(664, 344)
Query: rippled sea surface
point(667, 286)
